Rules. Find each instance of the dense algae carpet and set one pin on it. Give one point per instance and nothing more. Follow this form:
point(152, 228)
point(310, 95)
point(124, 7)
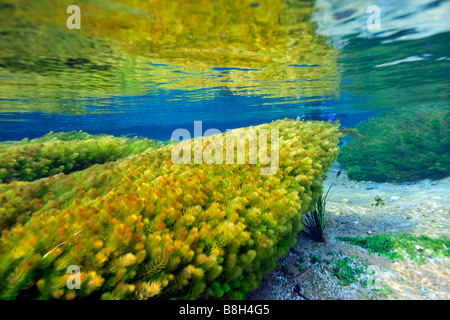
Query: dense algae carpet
point(143, 227)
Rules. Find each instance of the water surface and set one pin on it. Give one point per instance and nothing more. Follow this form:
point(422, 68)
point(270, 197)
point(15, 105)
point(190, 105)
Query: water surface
point(148, 67)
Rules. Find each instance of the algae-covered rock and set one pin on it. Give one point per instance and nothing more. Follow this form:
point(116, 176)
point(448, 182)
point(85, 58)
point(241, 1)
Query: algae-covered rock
point(145, 227)
point(401, 145)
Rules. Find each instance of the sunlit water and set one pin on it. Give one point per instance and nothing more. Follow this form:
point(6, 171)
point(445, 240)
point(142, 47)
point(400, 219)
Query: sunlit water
point(146, 68)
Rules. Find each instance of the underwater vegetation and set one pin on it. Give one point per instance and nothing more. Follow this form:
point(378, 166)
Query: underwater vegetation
point(64, 152)
point(400, 145)
point(347, 270)
point(315, 221)
point(143, 227)
point(400, 246)
point(378, 202)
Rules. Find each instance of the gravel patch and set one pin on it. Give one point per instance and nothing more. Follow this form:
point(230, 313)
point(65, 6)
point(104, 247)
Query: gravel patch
point(309, 270)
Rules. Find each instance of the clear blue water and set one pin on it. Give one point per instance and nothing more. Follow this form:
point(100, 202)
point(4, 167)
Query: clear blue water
point(405, 63)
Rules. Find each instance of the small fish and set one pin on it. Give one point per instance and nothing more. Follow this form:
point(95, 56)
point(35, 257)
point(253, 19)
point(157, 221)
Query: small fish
point(339, 173)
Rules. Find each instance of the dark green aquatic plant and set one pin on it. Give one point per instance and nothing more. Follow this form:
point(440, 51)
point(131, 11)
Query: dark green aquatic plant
point(347, 270)
point(400, 145)
point(378, 202)
point(315, 221)
point(399, 246)
point(382, 244)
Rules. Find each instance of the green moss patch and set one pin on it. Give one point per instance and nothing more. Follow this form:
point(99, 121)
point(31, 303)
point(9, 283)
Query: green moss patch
point(401, 246)
point(401, 145)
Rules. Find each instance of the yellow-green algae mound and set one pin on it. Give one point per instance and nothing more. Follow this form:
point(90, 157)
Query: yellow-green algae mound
point(143, 227)
point(64, 152)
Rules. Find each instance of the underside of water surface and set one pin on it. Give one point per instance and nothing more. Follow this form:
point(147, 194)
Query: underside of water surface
point(171, 149)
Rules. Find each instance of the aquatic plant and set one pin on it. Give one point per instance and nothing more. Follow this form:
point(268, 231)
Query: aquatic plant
point(143, 227)
point(400, 145)
point(382, 244)
point(400, 246)
point(315, 221)
point(347, 270)
point(64, 152)
point(378, 202)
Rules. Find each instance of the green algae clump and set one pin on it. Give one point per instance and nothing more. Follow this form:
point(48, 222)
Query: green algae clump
point(144, 227)
point(400, 146)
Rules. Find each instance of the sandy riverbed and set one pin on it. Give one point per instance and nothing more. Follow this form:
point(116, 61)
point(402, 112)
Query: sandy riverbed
point(415, 208)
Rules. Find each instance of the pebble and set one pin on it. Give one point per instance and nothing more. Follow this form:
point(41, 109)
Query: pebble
point(395, 198)
point(369, 232)
point(419, 248)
